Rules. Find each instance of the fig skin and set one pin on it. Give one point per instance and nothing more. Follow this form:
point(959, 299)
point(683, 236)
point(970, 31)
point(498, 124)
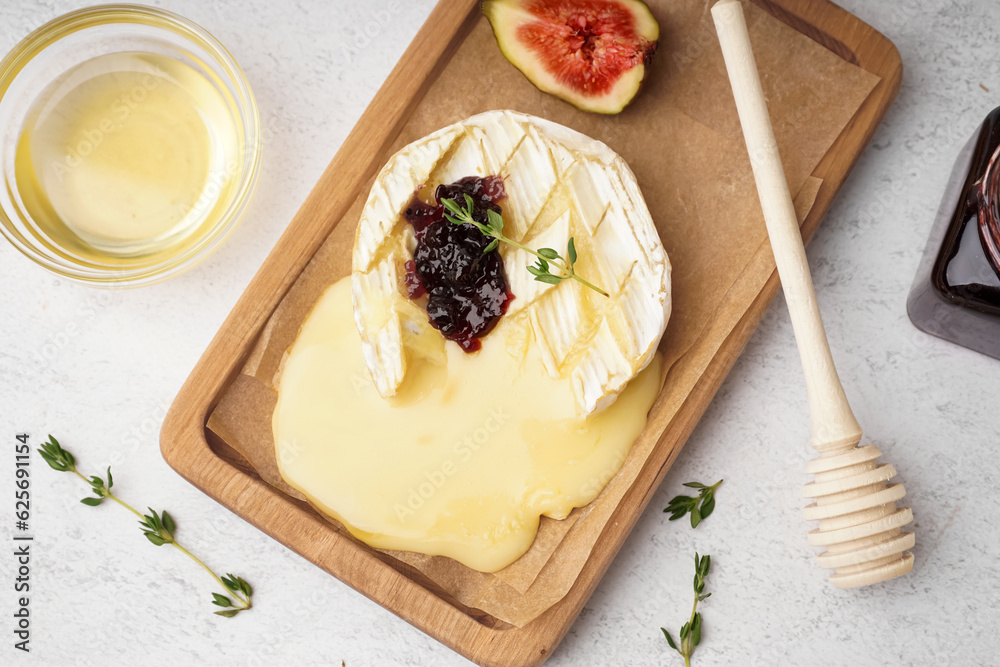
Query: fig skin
point(503, 15)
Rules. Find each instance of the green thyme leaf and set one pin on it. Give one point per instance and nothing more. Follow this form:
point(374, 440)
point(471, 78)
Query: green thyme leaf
point(93, 502)
point(690, 632)
point(168, 522)
point(155, 539)
point(242, 585)
point(707, 506)
point(700, 507)
point(57, 457)
point(496, 221)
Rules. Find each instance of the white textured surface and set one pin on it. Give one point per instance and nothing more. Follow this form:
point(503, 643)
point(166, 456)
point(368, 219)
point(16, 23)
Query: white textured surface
point(99, 368)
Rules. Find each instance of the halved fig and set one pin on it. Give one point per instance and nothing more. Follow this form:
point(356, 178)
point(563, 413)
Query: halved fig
point(591, 53)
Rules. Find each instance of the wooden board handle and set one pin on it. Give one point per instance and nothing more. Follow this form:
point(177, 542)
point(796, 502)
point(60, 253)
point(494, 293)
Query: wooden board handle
point(859, 522)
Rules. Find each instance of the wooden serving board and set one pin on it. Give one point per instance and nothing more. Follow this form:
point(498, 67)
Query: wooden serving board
point(213, 467)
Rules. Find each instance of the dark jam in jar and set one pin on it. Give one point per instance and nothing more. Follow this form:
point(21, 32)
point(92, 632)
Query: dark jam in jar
point(956, 294)
point(467, 289)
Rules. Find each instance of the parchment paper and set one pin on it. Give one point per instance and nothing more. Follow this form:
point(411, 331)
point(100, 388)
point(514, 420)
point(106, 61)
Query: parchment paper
point(682, 139)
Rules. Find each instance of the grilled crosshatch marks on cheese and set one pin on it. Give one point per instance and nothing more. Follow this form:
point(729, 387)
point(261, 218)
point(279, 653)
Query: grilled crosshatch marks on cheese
point(467, 288)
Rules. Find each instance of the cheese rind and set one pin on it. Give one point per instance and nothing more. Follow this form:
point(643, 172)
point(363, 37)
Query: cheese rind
point(560, 184)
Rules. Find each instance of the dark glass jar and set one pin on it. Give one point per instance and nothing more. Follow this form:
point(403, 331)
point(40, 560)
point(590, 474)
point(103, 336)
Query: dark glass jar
point(956, 294)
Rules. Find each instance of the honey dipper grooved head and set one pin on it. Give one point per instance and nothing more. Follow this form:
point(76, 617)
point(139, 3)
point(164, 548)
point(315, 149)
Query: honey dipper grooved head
point(859, 523)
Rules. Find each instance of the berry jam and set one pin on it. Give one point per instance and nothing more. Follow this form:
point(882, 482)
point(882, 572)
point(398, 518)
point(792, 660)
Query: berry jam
point(467, 290)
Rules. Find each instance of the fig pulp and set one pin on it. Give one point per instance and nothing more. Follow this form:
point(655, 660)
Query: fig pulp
point(467, 288)
point(591, 53)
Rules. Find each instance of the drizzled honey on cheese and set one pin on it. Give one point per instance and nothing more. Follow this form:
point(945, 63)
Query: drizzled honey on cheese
point(466, 457)
point(456, 447)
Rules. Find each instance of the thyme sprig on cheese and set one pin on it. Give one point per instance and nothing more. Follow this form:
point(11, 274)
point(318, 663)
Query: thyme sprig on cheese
point(548, 258)
point(159, 528)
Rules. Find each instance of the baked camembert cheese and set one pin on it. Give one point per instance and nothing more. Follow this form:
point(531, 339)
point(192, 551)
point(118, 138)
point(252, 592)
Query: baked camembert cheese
point(417, 443)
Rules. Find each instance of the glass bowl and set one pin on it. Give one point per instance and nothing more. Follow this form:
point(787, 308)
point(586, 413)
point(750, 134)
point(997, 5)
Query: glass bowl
point(48, 60)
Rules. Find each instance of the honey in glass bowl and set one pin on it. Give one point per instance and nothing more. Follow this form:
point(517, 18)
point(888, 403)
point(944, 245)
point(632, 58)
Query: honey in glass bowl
point(129, 145)
point(126, 156)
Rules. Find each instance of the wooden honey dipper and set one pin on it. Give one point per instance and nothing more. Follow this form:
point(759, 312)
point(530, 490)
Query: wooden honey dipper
point(859, 523)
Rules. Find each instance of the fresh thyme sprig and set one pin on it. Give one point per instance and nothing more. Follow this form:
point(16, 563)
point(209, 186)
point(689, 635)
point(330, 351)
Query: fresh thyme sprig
point(700, 507)
point(690, 634)
point(159, 528)
point(547, 257)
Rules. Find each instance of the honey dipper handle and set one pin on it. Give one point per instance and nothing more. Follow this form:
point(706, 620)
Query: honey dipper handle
point(834, 426)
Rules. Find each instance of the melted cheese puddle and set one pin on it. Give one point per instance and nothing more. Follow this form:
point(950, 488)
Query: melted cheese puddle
point(467, 456)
